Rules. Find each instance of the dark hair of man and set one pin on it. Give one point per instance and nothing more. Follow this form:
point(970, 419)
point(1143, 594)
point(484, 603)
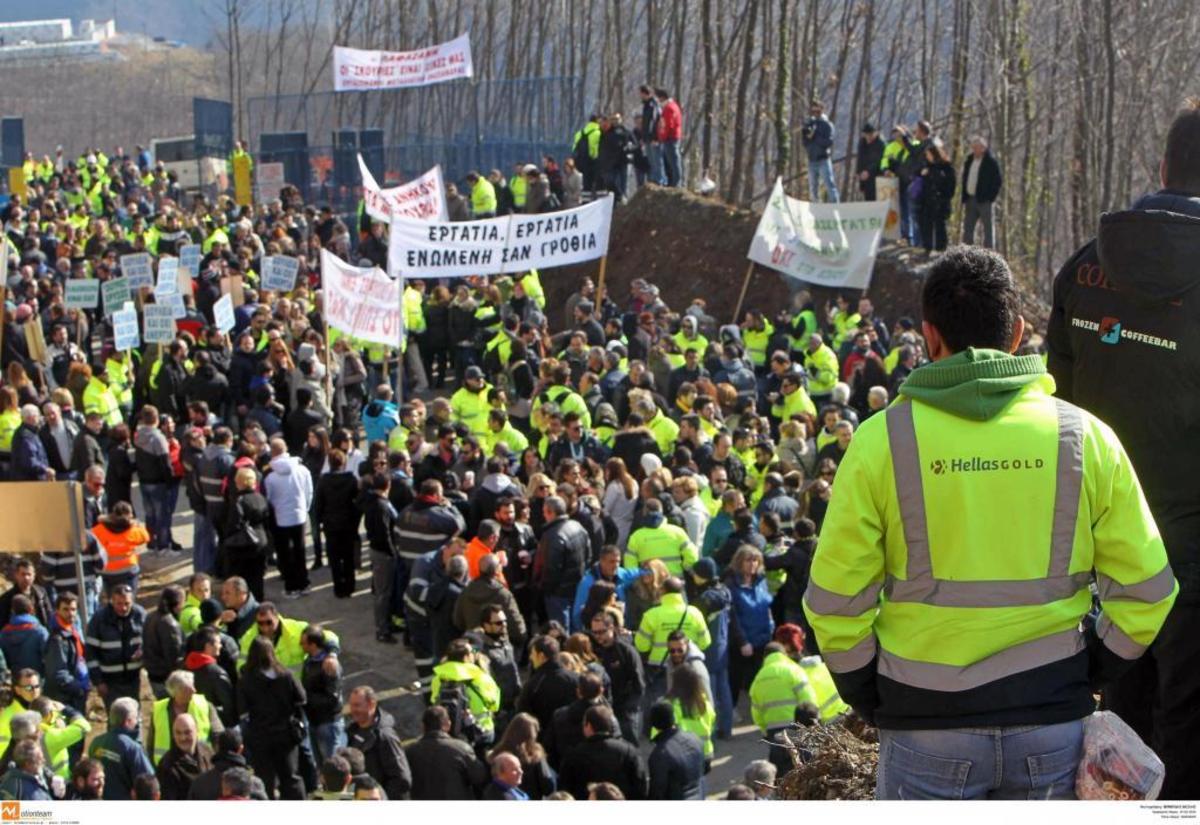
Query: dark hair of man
point(1181, 159)
point(434, 719)
point(335, 774)
point(547, 646)
point(600, 719)
point(971, 299)
point(590, 686)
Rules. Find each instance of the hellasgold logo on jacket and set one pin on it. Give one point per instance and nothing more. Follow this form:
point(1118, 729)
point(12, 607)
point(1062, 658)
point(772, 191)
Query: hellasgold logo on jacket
point(978, 464)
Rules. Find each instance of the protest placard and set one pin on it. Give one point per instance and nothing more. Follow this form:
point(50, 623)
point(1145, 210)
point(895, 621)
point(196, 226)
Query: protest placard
point(830, 244)
point(423, 199)
point(168, 276)
point(223, 313)
point(116, 294)
point(279, 273)
point(158, 323)
point(363, 69)
point(362, 302)
point(513, 243)
point(82, 293)
point(125, 328)
point(189, 259)
point(138, 270)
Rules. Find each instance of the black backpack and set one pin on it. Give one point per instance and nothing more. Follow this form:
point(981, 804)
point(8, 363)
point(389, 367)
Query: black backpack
point(453, 697)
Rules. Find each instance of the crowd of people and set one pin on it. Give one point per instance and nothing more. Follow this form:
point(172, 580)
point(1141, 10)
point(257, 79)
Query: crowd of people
point(590, 524)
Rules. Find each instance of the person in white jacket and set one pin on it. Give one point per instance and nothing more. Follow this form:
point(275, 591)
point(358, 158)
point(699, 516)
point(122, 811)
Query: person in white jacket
point(289, 490)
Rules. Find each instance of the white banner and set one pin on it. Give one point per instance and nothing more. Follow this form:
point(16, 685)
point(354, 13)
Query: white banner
point(830, 244)
point(357, 70)
point(888, 191)
point(512, 243)
point(223, 314)
point(422, 199)
point(362, 302)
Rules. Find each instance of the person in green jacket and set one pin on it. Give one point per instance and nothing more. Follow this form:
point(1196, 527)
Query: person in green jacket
point(483, 196)
point(286, 635)
point(952, 584)
point(471, 681)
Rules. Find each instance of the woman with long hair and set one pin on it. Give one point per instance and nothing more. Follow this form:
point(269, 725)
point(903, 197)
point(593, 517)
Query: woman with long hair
point(620, 498)
point(27, 392)
point(272, 701)
point(601, 596)
point(646, 592)
point(751, 624)
point(244, 541)
point(540, 487)
point(530, 465)
point(937, 196)
point(521, 740)
point(693, 708)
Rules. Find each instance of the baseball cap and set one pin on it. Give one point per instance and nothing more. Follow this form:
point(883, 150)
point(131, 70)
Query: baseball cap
point(473, 372)
point(705, 569)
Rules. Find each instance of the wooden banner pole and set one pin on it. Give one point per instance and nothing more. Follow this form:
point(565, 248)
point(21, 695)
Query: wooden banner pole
point(745, 285)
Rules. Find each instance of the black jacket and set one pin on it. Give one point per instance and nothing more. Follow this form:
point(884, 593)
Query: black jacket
point(333, 503)
point(677, 765)
point(563, 554)
point(1124, 326)
point(271, 704)
point(168, 396)
point(324, 692)
point(61, 464)
point(987, 187)
point(296, 427)
point(209, 386)
point(567, 729)
point(207, 786)
point(604, 758)
point(444, 768)
point(937, 191)
point(625, 673)
point(383, 755)
point(870, 155)
point(796, 560)
point(177, 770)
point(214, 684)
point(42, 608)
point(549, 688)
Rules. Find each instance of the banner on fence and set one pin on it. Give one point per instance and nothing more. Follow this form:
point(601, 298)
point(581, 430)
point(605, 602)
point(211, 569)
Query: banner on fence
point(513, 243)
point(125, 327)
point(279, 273)
point(362, 302)
point(116, 294)
point(82, 293)
point(223, 314)
point(422, 199)
point(357, 70)
point(158, 323)
point(830, 244)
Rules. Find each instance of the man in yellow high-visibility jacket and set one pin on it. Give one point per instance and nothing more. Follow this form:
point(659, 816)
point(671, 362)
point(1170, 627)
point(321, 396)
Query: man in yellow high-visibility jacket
point(950, 588)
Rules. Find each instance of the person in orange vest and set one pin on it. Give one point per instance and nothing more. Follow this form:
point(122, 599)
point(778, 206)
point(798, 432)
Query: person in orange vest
point(121, 536)
point(484, 543)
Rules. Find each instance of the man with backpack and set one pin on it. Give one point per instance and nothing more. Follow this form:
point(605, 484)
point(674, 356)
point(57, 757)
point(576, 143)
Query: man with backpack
point(470, 696)
point(585, 148)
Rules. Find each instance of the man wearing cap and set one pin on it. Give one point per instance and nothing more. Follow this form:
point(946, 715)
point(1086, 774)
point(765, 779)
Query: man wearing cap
point(870, 156)
point(469, 402)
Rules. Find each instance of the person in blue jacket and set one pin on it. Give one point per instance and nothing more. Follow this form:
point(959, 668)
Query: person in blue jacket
point(381, 416)
point(707, 593)
point(607, 568)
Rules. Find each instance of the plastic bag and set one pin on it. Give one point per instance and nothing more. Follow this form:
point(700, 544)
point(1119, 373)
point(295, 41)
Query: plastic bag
point(1116, 763)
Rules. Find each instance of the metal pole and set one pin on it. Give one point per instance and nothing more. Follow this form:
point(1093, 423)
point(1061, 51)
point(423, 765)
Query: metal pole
point(74, 496)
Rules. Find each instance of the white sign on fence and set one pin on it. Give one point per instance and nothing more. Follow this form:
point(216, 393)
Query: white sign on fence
point(358, 70)
point(279, 273)
point(82, 293)
point(422, 199)
point(125, 328)
point(362, 302)
point(158, 323)
point(270, 180)
point(223, 313)
point(138, 269)
point(116, 294)
point(831, 244)
point(512, 243)
point(189, 259)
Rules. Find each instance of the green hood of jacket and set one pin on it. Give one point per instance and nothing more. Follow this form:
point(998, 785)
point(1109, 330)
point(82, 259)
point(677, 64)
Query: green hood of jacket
point(975, 383)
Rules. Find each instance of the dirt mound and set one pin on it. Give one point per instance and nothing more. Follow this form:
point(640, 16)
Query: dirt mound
point(841, 763)
point(693, 247)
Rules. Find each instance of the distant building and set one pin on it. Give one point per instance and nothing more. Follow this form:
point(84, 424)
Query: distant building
point(38, 41)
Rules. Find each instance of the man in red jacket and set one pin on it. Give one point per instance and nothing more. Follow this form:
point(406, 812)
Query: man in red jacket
point(670, 132)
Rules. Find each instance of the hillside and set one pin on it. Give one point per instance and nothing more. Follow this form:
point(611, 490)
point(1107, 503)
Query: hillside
point(693, 247)
point(193, 23)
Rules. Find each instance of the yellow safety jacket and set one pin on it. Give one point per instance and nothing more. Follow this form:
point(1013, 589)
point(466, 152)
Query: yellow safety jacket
point(483, 694)
point(414, 311)
point(790, 404)
point(287, 647)
point(531, 282)
point(757, 341)
point(1012, 501)
point(667, 542)
point(828, 702)
point(398, 438)
point(822, 369)
point(483, 197)
point(844, 325)
point(567, 400)
point(472, 408)
point(10, 422)
point(699, 726)
point(518, 186)
point(197, 708)
point(659, 622)
point(807, 321)
point(189, 617)
point(59, 735)
point(99, 398)
point(780, 686)
point(118, 381)
point(509, 435)
point(699, 343)
point(665, 431)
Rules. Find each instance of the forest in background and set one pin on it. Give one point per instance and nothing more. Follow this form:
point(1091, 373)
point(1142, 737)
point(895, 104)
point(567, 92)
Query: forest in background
point(1073, 95)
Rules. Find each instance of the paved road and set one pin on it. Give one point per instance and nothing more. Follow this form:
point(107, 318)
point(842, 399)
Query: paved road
point(389, 668)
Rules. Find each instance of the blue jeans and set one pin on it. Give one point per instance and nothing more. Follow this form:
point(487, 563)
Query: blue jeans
point(672, 162)
point(327, 737)
point(204, 545)
point(1023, 762)
point(821, 171)
point(156, 498)
point(558, 609)
point(654, 154)
point(722, 698)
point(907, 219)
